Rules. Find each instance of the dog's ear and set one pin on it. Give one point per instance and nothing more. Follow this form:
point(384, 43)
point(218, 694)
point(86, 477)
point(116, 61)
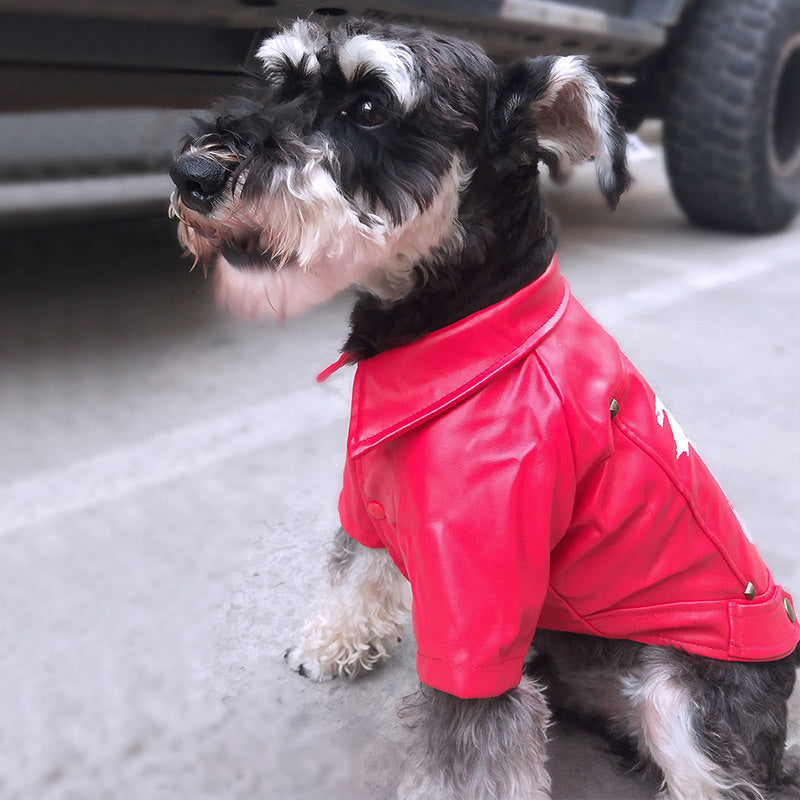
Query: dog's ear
point(556, 109)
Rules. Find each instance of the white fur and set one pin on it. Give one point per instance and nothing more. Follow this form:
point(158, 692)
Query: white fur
point(436, 228)
point(360, 620)
point(330, 244)
point(574, 120)
point(302, 40)
point(393, 61)
point(662, 719)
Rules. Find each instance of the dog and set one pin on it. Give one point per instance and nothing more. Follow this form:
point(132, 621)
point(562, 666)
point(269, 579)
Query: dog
point(566, 549)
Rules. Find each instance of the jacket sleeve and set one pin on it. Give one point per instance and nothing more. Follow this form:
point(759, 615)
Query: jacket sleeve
point(355, 521)
point(486, 496)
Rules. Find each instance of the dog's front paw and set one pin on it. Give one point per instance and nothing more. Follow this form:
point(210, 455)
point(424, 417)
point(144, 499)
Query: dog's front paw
point(328, 651)
point(313, 666)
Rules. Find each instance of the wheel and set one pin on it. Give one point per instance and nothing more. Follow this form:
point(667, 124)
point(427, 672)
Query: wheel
point(732, 114)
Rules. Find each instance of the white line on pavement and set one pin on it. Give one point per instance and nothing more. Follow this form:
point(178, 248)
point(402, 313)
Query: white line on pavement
point(167, 456)
point(677, 288)
point(170, 455)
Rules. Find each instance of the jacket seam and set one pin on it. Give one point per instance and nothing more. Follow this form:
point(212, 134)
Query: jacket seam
point(562, 405)
point(752, 650)
point(489, 665)
point(569, 605)
point(744, 612)
point(573, 457)
point(690, 503)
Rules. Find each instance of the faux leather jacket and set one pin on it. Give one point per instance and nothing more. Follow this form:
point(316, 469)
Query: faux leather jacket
point(522, 473)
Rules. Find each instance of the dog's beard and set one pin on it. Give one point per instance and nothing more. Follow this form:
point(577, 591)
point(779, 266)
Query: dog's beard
point(302, 241)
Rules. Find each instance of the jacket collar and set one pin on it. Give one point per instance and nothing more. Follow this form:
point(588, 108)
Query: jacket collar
point(401, 388)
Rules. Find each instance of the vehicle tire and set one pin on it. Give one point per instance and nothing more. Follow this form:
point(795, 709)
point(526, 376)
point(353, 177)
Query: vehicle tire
point(732, 114)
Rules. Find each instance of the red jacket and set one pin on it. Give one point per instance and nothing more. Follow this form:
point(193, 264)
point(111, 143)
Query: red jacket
point(522, 473)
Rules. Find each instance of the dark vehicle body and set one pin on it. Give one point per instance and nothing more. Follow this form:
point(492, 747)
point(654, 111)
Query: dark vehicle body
point(723, 75)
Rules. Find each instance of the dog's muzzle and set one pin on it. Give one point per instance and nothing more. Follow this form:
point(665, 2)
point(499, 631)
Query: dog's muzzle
point(200, 180)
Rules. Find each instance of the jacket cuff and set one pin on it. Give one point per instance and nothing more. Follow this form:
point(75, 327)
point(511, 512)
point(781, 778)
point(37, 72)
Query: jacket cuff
point(466, 682)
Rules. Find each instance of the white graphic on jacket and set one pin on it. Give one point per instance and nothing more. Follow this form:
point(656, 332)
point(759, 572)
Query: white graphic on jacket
point(681, 440)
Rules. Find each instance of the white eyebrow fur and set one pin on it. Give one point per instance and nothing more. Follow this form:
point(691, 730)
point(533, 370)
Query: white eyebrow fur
point(394, 62)
point(302, 41)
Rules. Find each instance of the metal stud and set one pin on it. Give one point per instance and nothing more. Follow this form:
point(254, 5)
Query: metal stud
point(787, 604)
point(613, 407)
point(749, 591)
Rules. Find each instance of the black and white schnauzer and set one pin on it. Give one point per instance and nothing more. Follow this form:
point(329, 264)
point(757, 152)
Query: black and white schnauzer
point(405, 164)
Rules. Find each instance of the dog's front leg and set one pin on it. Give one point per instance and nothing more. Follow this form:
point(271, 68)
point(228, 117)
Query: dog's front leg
point(481, 749)
point(361, 618)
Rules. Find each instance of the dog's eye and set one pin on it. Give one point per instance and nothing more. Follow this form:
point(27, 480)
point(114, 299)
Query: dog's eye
point(369, 113)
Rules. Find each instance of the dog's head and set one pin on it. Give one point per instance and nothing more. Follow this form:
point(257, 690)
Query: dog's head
point(350, 159)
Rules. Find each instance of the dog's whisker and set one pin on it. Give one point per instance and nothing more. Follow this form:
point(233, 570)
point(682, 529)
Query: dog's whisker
point(275, 310)
point(174, 213)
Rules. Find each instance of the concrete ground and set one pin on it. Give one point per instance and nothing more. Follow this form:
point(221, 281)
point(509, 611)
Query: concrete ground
point(168, 480)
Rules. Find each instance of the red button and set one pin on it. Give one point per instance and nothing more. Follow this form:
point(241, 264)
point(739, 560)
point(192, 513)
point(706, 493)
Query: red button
point(376, 510)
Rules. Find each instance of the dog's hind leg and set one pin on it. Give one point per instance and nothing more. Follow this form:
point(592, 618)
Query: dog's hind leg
point(481, 749)
point(716, 729)
point(663, 718)
point(361, 618)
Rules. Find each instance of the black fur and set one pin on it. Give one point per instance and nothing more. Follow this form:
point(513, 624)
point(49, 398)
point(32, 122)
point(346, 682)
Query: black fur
point(491, 119)
point(341, 555)
point(740, 708)
point(488, 747)
point(497, 260)
point(479, 110)
point(742, 715)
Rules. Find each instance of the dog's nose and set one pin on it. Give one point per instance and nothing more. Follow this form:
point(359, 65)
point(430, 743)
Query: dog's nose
point(199, 180)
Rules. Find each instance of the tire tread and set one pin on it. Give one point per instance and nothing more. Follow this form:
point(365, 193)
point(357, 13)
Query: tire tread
point(715, 138)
